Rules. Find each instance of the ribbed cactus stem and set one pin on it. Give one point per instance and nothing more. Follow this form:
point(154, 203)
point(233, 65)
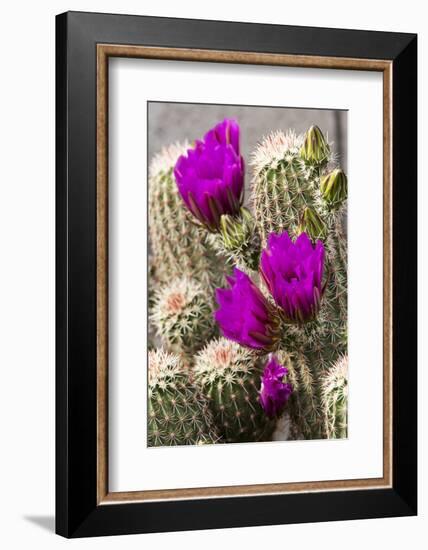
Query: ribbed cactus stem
point(229, 376)
point(303, 408)
point(335, 399)
point(337, 266)
point(307, 361)
point(295, 408)
point(178, 414)
point(311, 349)
point(182, 315)
point(309, 410)
point(281, 197)
point(286, 196)
point(283, 183)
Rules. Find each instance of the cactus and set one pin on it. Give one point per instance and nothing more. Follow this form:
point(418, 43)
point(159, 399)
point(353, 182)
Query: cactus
point(182, 315)
point(177, 244)
point(205, 389)
point(229, 376)
point(281, 184)
point(177, 412)
point(287, 196)
point(335, 399)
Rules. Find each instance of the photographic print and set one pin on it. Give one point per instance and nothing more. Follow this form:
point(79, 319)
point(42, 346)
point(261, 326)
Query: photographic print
point(247, 274)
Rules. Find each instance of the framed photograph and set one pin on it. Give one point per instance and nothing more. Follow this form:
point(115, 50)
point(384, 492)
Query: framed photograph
point(236, 274)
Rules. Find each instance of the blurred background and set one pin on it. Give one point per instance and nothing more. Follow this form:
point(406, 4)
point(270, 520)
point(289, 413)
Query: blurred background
point(171, 122)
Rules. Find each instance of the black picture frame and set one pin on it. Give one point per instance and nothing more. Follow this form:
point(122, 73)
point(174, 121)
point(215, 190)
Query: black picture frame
point(77, 512)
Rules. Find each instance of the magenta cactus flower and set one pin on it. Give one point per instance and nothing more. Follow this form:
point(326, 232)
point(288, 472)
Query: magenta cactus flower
point(244, 314)
point(210, 177)
point(293, 273)
point(274, 392)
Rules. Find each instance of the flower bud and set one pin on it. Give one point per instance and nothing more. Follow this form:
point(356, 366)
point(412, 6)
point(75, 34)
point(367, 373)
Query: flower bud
point(312, 224)
point(334, 187)
point(274, 391)
point(315, 148)
point(236, 232)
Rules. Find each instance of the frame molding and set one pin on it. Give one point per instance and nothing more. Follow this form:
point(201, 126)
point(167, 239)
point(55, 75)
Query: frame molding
point(84, 504)
point(106, 51)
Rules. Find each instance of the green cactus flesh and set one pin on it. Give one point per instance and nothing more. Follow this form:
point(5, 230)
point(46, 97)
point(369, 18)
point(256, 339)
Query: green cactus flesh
point(335, 399)
point(229, 376)
point(178, 414)
point(284, 187)
point(182, 315)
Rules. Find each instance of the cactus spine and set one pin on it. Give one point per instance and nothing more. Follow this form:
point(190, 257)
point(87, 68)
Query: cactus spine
point(178, 413)
point(286, 196)
point(182, 315)
point(229, 376)
point(335, 399)
point(281, 184)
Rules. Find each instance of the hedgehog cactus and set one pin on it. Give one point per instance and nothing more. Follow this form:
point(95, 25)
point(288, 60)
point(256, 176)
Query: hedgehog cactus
point(178, 414)
point(335, 399)
point(177, 245)
point(229, 376)
point(293, 191)
point(182, 315)
point(286, 296)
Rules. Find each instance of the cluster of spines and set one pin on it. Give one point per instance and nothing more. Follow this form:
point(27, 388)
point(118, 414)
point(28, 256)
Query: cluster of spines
point(335, 399)
point(286, 197)
point(182, 314)
point(281, 184)
point(178, 414)
point(229, 376)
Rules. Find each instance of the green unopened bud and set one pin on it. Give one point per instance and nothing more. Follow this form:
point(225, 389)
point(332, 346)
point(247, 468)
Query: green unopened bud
point(312, 224)
point(236, 232)
point(334, 187)
point(315, 148)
